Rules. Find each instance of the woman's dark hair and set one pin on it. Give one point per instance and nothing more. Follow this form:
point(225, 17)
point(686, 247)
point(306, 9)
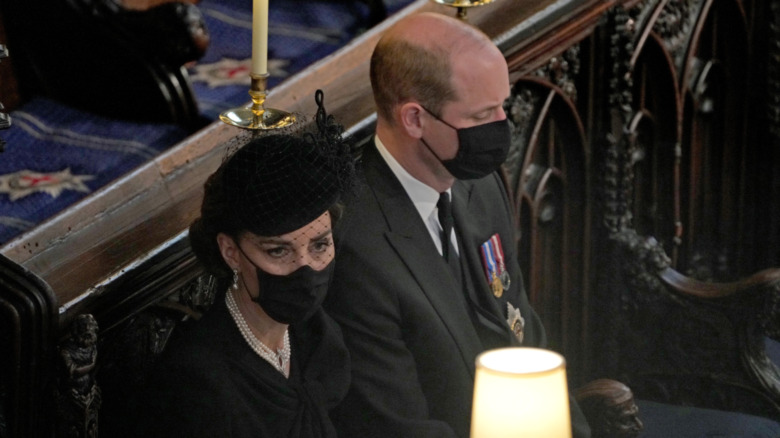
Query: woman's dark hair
point(214, 219)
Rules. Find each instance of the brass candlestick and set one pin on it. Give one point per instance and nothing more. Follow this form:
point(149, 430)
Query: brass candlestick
point(257, 116)
point(463, 5)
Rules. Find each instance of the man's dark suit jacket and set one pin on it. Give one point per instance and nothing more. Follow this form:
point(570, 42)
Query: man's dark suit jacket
point(412, 331)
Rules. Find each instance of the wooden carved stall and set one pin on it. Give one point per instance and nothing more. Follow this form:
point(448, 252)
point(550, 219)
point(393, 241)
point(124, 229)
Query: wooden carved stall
point(689, 169)
point(105, 57)
point(643, 164)
point(645, 171)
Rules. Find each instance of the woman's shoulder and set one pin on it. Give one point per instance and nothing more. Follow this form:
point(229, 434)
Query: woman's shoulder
point(190, 357)
point(186, 391)
point(196, 344)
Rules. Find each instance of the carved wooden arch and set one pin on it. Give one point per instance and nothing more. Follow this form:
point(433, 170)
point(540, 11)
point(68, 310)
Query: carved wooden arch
point(716, 112)
point(651, 145)
point(701, 141)
point(669, 342)
point(547, 177)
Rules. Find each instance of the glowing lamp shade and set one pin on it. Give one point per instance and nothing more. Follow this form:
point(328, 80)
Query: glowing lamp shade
point(520, 392)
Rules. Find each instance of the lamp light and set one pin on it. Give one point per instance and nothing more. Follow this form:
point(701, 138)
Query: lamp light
point(520, 392)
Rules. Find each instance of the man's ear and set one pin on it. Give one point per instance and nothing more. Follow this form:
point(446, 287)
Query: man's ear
point(411, 120)
point(229, 250)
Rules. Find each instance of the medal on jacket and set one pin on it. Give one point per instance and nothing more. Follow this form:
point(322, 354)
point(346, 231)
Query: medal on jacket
point(515, 321)
point(495, 268)
point(496, 286)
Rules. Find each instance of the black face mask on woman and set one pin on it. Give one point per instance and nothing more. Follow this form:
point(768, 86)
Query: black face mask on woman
point(293, 297)
point(481, 149)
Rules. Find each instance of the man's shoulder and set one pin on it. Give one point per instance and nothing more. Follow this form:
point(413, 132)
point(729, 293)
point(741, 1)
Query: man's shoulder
point(489, 190)
point(490, 184)
point(362, 209)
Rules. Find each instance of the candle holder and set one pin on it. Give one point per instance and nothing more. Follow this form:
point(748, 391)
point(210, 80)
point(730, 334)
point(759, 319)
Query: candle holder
point(463, 5)
point(256, 115)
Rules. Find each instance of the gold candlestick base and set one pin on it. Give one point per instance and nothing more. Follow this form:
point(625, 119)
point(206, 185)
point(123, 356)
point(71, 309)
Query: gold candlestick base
point(462, 5)
point(256, 116)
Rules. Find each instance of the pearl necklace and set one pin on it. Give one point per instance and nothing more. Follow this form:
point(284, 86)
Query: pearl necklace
point(279, 359)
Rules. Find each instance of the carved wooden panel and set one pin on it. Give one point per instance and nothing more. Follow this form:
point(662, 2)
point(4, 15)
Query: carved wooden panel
point(641, 154)
point(28, 317)
point(690, 133)
point(676, 344)
point(689, 172)
point(546, 171)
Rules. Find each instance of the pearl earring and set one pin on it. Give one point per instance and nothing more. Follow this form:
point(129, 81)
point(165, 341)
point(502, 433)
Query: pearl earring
point(235, 279)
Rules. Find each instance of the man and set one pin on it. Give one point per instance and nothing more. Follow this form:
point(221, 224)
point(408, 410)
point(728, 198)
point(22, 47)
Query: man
point(417, 304)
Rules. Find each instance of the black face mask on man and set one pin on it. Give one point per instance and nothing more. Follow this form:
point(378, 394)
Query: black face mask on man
point(481, 149)
point(294, 297)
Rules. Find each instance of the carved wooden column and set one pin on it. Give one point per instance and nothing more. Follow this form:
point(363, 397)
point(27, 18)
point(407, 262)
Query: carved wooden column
point(546, 171)
point(28, 317)
point(78, 395)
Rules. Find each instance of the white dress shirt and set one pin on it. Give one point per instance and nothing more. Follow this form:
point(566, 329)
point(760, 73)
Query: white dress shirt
point(422, 195)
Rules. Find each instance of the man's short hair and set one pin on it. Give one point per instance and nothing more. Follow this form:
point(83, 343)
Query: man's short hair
point(403, 72)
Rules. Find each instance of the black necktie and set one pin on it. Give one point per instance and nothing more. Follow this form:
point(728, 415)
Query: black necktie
point(445, 219)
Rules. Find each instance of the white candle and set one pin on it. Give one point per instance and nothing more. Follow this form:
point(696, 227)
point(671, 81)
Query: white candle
point(260, 37)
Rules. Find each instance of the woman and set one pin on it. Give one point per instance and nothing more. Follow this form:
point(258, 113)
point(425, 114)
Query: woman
point(265, 360)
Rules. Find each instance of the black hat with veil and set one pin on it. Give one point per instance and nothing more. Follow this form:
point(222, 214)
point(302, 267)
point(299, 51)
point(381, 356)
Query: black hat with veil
point(273, 185)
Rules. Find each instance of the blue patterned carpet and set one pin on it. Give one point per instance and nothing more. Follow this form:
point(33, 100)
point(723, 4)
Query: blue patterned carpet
point(56, 155)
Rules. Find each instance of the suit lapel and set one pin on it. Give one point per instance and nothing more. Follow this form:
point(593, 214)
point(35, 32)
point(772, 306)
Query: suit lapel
point(469, 224)
point(409, 237)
